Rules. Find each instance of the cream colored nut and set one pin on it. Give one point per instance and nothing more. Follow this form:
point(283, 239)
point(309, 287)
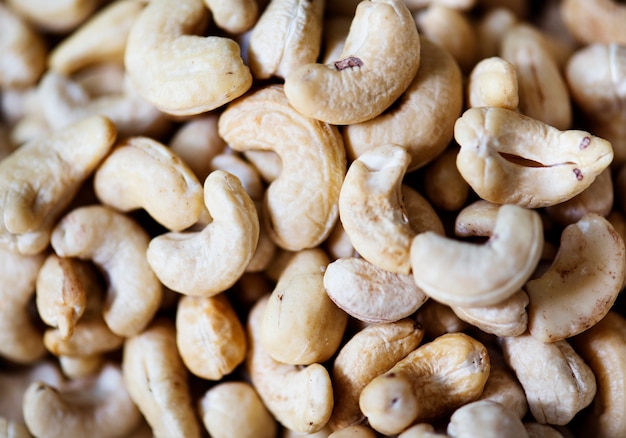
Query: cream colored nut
point(422, 119)
point(444, 186)
point(234, 16)
point(369, 293)
point(39, 180)
point(216, 256)
point(422, 430)
point(338, 244)
point(267, 162)
point(383, 38)
point(13, 429)
point(176, 71)
point(322, 433)
point(232, 409)
point(438, 377)
point(582, 284)
point(90, 407)
point(543, 93)
point(493, 82)
point(462, 5)
point(91, 336)
point(102, 38)
point(265, 248)
point(117, 245)
point(78, 367)
point(485, 418)
point(301, 204)
point(600, 22)
point(242, 169)
point(156, 379)
point(300, 398)
point(490, 30)
point(558, 389)
point(22, 51)
point(476, 219)
point(102, 78)
point(509, 158)
point(439, 319)
point(301, 325)
point(55, 17)
point(468, 274)
point(369, 353)
point(142, 173)
point(354, 432)
point(336, 30)
point(520, 8)
point(536, 430)
point(210, 338)
point(287, 35)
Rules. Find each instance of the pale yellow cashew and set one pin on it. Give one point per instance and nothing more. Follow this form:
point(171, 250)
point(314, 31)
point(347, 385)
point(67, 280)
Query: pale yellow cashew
point(493, 82)
point(354, 432)
point(216, 256)
point(178, 72)
point(601, 21)
point(13, 429)
point(55, 16)
point(383, 38)
point(234, 16)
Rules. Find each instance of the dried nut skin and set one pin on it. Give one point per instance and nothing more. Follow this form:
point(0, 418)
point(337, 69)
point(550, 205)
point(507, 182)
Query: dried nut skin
point(358, 87)
point(216, 256)
point(509, 158)
point(234, 16)
point(557, 382)
point(117, 245)
point(369, 353)
point(434, 98)
point(142, 173)
point(301, 204)
point(38, 180)
point(486, 419)
point(156, 380)
point(438, 377)
point(210, 338)
point(582, 284)
point(369, 293)
point(301, 324)
point(183, 74)
point(468, 274)
point(600, 22)
point(493, 82)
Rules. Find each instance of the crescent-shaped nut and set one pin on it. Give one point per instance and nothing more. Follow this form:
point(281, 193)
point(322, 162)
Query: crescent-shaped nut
point(468, 274)
point(179, 73)
point(600, 21)
point(509, 158)
point(383, 37)
point(301, 204)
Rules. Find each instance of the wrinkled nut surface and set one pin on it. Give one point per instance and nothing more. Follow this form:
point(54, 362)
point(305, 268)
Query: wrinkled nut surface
point(301, 204)
point(438, 377)
point(509, 158)
point(582, 284)
point(358, 87)
point(369, 293)
point(485, 418)
point(178, 72)
point(469, 274)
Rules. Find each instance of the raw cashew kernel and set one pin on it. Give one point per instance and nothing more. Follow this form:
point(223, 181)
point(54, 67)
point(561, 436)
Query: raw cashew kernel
point(55, 16)
point(444, 186)
point(354, 432)
point(422, 430)
point(234, 16)
point(476, 219)
point(91, 337)
point(601, 21)
point(493, 82)
point(13, 429)
point(383, 38)
point(487, 419)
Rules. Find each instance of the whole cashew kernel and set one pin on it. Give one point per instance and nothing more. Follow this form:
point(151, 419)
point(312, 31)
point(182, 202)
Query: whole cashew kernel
point(487, 419)
point(599, 22)
point(234, 16)
point(476, 219)
point(55, 17)
point(493, 82)
point(383, 37)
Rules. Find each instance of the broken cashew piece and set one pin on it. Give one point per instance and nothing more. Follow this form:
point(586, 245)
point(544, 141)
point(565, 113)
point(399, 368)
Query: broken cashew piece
point(358, 87)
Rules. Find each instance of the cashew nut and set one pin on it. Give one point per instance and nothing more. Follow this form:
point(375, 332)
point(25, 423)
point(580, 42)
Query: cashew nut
point(234, 16)
point(354, 432)
point(13, 429)
point(55, 17)
point(486, 419)
point(422, 430)
point(493, 82)
point(600, 22)
point(476, 219)
point(439, 319)
point(246, 172)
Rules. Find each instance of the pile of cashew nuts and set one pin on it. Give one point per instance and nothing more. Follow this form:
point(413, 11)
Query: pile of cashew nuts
point(289, 218)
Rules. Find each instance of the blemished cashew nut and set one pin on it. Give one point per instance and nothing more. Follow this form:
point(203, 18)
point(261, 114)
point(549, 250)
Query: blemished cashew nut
point(423, 133)
point(56, 17)
point(216, 256)
point(232, 409)
point(178, 72)
point(469, 274)
point(234, 16)
point(117, 245)
point(354, 432)
point(13, 429)
point(157, 381)
point(493, 82)
point(369, 353)
point(422, 430)
point(431, 381)
point(301, 325)
point(358, 87)
point(300, 398)
point(369, 293)
point(487, 419)
point(301, 204)
point(88, 407)
point(102, 38)
point(582, 284)
point(210, 338)
point(509, 158)
point(287, 35)
point(39, 180)
point(444, 186)
point(599, 22)
point(143, 173)
point(558, 389)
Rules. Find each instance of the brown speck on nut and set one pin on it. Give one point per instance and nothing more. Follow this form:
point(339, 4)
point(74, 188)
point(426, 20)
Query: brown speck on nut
point(584, 143)
point(578, 174)
point(351, 61)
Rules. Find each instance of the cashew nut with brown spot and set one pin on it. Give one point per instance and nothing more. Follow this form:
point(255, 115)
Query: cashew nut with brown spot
point(485, 418)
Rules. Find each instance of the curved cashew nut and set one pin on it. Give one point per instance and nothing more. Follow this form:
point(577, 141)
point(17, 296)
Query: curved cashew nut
point(600, 22)
point(39, 180)
point(467, 274)
point(142, 173)
point(216, 256)
point(509, 158)
point(301, 205)
point(183, 74)
point(359, 87)
point(487, 419)
point(117, 245)
point(582, 284)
